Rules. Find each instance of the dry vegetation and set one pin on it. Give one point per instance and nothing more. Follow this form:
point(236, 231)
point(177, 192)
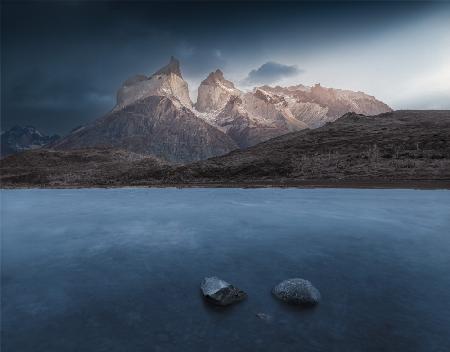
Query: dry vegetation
point(398, 147)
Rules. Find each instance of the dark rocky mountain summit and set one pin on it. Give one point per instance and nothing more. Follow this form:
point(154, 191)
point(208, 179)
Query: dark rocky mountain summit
point(153, 116)
point(410, 148)
point(19, 139)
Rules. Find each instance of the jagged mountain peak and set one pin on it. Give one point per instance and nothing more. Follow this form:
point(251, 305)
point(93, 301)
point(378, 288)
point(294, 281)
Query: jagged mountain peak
point(216, 77)
point(317, 104)
point(268, 96)
point(172, 67)
point(166, 82)
point(266, 112)
point(154, 115)
point(214, 92)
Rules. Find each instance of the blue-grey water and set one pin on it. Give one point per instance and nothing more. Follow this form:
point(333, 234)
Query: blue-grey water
point(119, 269)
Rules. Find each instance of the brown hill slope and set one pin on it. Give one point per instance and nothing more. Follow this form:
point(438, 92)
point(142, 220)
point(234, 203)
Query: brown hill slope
point(401, 147)
point(77, 168)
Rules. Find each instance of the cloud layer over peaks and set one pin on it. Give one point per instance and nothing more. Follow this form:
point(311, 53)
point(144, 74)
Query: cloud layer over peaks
point(271, 72)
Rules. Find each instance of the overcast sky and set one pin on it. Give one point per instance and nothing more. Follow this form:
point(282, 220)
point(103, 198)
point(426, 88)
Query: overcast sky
point(62, 63)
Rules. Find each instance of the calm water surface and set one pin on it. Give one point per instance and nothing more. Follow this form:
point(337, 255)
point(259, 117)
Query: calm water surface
point(119, 270)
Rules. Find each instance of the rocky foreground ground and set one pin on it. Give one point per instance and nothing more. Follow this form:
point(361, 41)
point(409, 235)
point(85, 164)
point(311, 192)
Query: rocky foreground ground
point(398, 149)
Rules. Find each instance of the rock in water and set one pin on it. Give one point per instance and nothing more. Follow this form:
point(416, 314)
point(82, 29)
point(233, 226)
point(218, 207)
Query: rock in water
point(264, 316)
point(220, 292)
point(297, 291)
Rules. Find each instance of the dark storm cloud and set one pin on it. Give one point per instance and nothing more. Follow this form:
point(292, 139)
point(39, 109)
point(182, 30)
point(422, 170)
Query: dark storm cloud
point(62, 62)
point(271, 72)
point(53, 92)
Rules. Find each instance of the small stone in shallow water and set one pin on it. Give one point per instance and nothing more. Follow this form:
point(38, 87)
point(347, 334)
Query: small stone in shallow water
point(264, 316)
point(220, 292)
point(297, 291)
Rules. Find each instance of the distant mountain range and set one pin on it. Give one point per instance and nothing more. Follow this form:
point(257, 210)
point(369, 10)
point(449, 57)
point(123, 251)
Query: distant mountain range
point(155, 116)
point(18, 139)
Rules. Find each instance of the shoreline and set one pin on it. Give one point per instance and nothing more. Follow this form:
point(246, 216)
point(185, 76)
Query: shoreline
point(409, 184)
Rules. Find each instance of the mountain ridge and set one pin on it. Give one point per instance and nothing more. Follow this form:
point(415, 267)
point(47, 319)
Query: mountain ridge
point(234, 118)
point(18, 139)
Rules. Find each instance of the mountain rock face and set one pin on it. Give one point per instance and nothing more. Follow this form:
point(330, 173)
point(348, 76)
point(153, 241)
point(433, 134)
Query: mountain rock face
point(248, 118)
point(166, 82)
point(155, 125)
point(18, 139)
point(266, 112)
point(214, 92)
point(155, 116)
point(318, 105)
point(253, 117)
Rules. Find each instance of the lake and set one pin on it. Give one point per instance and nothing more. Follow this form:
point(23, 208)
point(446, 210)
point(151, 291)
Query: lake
point(120, 269)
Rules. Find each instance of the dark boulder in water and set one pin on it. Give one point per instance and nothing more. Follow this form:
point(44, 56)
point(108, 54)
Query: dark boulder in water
point(297, 291)
point(220, 292)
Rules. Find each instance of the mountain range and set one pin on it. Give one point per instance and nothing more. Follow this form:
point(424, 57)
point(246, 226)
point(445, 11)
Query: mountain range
point(18, 139)
point(155, 116)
